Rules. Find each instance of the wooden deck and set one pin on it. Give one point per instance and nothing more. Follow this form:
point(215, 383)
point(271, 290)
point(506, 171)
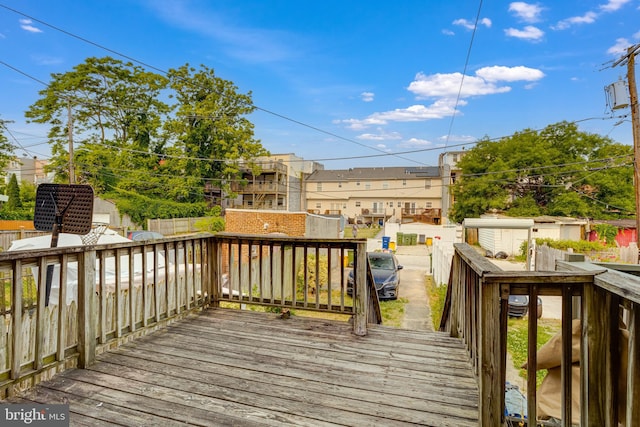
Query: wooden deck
point(230, 367)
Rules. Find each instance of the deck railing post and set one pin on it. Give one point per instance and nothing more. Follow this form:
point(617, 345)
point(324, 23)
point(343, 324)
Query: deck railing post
point(490, 341)
point(360, 294)
point(86, 308)
point(214, 252)
point(597, 382)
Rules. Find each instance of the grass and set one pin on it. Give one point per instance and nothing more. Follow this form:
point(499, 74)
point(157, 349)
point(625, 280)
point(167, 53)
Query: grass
point(393, 312)
point(363, 233)
point(518, 339)
point(517, 330)
point(436, 295)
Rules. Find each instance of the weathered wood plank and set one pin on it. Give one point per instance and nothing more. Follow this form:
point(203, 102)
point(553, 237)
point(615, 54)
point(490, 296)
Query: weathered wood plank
point(161, 402)
point(384, 353)
point(257, 368)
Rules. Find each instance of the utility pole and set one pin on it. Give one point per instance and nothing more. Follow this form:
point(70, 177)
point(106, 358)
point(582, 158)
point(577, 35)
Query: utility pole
point(629, 58)
point(72, 173)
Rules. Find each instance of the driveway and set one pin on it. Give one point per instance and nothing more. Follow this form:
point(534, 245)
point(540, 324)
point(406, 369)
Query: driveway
point(415, 261)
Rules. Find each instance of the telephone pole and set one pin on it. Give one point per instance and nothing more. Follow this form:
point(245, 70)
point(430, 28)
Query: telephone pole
point(629, 58)
point(72, 172)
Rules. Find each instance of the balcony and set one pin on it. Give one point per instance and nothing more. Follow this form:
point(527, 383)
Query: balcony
point(259, 188)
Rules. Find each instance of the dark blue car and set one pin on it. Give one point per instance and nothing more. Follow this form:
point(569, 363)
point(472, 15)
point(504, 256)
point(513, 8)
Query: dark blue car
point(385, 268)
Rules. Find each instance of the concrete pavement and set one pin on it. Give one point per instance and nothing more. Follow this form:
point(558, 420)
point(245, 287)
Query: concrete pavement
point(415, 262)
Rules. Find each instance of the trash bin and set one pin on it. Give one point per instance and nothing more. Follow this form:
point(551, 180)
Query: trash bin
point(392, 246)
point(385, 242)
point(429, 241)
point(400, 239)
point(414, 239)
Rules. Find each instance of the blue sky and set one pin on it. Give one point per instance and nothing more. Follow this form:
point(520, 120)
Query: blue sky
point(376, 80)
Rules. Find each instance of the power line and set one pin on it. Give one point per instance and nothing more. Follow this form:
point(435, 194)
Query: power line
point(165, 72)
point(464, 73)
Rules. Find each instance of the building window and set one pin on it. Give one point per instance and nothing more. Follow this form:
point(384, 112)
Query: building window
point(390, 204)
point(318, 205)
point(367, 186)
point(319, 186)
point(404, 182)
point(357, 204)
point(357, 182)
point(428, 205)
point(344, 206)
point(427, 184)
point(339, 185)
point(385, 185)
point(399, 204)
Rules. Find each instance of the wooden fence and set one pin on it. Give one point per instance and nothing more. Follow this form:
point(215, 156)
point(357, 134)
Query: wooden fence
point(476, 311)
point(102, 296)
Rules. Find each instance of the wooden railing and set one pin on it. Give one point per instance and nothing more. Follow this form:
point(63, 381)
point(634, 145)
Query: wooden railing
point(476, 311)
point(96, 304)
point(296, 273)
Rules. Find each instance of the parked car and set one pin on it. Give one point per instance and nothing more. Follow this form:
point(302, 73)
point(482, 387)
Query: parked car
point(384, 267)
point(141, 235)
point(519, 306)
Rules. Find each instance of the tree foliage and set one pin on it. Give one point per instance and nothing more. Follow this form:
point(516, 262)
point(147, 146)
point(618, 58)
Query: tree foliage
point(13, 191)
point(6, 149)
point(139, 134)
point(556, 171)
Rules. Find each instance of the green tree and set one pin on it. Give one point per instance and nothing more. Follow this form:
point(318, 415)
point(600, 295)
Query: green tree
point(6, 149)
point(151, 157)
point(211, 130)
point(556, 171)
point(111, 105)
point(13, 192)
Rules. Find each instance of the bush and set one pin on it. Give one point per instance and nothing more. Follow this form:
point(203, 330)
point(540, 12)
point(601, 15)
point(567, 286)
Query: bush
point(578, 246)
point(315, 283)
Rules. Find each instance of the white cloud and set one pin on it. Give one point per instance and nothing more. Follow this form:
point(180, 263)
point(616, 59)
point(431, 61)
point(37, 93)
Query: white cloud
point(448, 93)
point(458, 138)
point(528, 33)
point(509, 74)
point(25, 24)
point(380, 136)
point(591, 16)
point(448, 32)
point(415, 142)
point(415, 113)
point(247, 43)
point(613, 5)
point(46, 60)
point(525, 11)
point(587, 18)
point(620, 48)
point(448, 86)
point(469, 25)
point(367, 96)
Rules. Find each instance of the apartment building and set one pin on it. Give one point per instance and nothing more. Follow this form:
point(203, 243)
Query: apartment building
point(28, 169)
point(273, 183)
point(376, 195)
point(449, 171)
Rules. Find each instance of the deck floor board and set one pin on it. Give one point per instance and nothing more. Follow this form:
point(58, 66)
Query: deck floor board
point(230, 367)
